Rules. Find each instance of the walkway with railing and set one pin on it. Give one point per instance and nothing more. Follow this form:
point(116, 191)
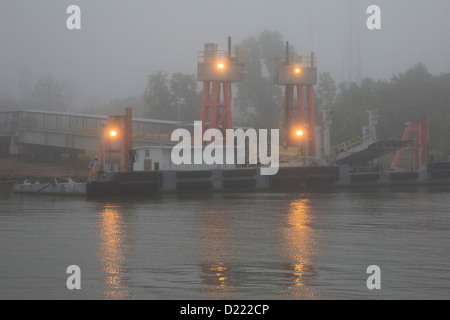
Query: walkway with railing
point(365, 148)
point(79, 131)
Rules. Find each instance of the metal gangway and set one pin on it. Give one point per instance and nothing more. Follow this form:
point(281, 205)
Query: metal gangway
point(366, 148)
point(79, 131)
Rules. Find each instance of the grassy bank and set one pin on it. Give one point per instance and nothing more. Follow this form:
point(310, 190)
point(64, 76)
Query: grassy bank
point(13, 170)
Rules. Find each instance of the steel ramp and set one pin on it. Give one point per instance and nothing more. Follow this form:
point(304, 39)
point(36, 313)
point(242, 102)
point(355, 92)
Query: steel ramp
point(366, 152)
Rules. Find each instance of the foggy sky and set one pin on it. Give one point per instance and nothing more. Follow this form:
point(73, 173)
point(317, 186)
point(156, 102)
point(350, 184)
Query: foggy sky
point(122, 42)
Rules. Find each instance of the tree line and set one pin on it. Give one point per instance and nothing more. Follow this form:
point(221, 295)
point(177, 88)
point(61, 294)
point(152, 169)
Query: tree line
point(406, 97)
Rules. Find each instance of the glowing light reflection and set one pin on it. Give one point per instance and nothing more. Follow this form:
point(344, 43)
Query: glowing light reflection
point(112, 252)
point(300, 248)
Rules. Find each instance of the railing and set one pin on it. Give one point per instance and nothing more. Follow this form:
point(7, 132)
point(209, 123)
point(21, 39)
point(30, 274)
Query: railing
point(347, 145)
point(61, 122)
point(352, 143)
point(300, 61)
point(220, 55)
point(298, 157)
point(9, 122)
point(91, 125)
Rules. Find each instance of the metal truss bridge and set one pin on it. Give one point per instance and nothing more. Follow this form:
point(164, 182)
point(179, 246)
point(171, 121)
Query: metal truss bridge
point(31, 131)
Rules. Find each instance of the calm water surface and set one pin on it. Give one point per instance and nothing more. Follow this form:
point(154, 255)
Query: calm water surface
point(227, 246)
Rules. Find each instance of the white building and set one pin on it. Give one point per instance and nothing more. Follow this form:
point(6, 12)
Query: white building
point(159, 158)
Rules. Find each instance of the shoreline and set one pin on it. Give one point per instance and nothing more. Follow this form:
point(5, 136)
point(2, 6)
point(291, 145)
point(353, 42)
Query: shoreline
point(16, 171)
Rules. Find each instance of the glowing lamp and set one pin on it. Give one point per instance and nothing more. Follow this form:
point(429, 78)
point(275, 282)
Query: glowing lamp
point(297, 70)
point(299, 133)
point(113, 133)
point(220, 66)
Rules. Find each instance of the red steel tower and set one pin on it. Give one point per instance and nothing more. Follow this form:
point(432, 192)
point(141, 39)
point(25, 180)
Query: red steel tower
point(298, 75)
point(116, 137)
point(417, 133)
point(217, 70)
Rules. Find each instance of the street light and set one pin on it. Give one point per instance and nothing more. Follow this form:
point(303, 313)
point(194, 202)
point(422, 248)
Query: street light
point(113, 133)
point(300, 133)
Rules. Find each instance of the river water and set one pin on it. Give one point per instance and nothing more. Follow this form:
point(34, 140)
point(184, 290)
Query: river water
point(228, 246)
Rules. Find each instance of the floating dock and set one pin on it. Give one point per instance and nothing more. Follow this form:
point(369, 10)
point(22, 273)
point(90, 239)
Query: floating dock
point(308, 178)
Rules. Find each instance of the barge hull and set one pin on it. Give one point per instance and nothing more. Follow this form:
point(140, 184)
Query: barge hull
point(246, 179)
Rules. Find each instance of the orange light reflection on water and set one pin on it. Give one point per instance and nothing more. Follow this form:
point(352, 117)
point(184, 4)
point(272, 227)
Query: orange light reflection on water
point(112, 252)
point(299, 247)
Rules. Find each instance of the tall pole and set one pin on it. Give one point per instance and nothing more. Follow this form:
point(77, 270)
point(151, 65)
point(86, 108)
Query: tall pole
point(103, 141)
point(48, 94)
point(307, 143)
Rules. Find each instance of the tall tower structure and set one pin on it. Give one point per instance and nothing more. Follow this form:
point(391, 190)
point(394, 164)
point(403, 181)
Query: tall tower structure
point(352, 43)
point(298, 75)
point(218, 69)
point(116, 137)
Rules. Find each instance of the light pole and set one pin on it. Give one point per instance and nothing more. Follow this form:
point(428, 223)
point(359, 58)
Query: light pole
point(303, 133)
point(307, 143)
point(300, 134)
point(409, 146)
point(103, 147)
